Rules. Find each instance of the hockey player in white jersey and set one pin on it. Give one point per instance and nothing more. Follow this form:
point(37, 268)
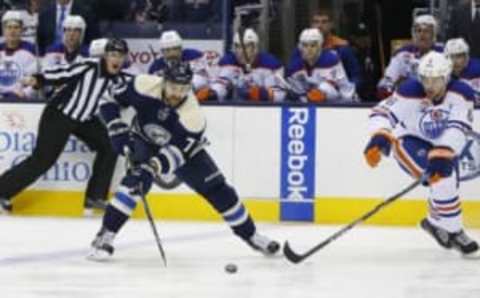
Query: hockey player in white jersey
point(425, 124)
point(465, 67)
point(404, 62)
point(167, 138)
point(248, 73)
point(318, 75)
point(171, 46)
point(70, 50)
point(17, 57)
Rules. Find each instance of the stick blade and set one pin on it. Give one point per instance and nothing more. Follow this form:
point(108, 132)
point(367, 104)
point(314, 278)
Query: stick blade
point(290, 254)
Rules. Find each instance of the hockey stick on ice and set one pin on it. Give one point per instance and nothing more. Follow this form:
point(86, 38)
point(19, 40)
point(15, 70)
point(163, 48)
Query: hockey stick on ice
point(297, 258)
point(146, 207)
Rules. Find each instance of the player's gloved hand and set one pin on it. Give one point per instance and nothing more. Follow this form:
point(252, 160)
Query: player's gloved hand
point(206, 94)
point(380, 143)
point(315, 95)
point(120, 138)
point(384, 92)
point(440, 164)
point(139, 179)
point(257, 93)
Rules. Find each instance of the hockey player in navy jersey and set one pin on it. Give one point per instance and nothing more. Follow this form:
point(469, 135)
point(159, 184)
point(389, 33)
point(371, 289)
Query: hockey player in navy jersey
point(248, 73)
point(425, 124)
point(167, 137)
point(465, 67)
point(17, 58)
point(404, 62)
point(318, 75)
point(70, 50)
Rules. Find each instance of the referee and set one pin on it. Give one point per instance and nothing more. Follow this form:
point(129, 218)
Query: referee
point(71, 110)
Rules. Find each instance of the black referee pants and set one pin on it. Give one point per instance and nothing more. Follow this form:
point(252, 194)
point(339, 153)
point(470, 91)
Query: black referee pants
point(53, 133)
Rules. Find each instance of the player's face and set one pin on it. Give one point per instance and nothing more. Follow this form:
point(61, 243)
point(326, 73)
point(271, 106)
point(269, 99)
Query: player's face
point(310, 50)
point(423, 36)
point(12, 31)
point(175, 93)
point(114, 61)
point(72, 37)
point(434, 87)
point(322, 23)
point(459, 62)
point(250, 52)
point(172, 53)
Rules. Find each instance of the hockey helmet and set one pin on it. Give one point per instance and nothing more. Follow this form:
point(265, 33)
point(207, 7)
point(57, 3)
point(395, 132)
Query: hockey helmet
point(179, 73)
point(12, 15)
point(249, 36)
point(170, 39)
point(116, 45)
point(435, 64)
point(456, 46)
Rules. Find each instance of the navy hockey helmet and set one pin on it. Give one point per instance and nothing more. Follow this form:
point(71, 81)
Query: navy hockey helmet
point(179, 73)
point(116, 45)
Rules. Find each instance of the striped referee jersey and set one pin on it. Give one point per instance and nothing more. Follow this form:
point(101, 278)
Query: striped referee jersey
point(79, 86)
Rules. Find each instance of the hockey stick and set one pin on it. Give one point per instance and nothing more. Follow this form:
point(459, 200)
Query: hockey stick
point(297, 258)
point(146, 207)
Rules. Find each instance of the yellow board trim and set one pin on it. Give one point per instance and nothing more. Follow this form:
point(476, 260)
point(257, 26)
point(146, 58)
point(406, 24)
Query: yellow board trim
point(192, 207)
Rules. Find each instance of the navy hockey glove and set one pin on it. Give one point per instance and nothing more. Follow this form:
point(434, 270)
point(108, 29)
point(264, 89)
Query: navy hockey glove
point(380, 143)
point(440, 164)
point(120, 137)
point(139, 179)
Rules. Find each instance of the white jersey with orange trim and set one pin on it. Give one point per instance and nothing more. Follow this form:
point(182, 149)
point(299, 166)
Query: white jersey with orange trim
point(15, 65)
point(403, 65)
point(409, 112)
point(266, 72)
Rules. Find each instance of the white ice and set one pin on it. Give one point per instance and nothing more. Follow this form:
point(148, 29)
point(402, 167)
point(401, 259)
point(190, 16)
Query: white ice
point(44, 257)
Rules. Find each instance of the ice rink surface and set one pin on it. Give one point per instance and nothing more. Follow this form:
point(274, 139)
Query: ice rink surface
point(44, 257)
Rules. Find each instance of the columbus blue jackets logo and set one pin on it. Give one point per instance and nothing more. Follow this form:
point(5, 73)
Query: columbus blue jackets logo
point(157, 134)
point(10, 73)
point(433, 123)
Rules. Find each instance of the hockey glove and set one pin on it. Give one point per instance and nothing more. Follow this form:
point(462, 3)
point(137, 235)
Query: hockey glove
point(315, 95)
point(440, 164)
point(206, 94)
point(384, 92)
point(139, 179)
point(120, 137)
point(380, 143)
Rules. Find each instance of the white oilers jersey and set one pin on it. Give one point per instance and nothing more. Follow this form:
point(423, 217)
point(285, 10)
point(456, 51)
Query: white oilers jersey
point(266, 72)
point(15, 65)
point(409, 112)
point(403, 65)
point(326, 75)
point(471, 75)
point(56, 55)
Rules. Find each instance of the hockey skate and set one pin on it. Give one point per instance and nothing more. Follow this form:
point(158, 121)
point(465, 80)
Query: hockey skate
point(263, 244)
point(5, 206)
point(102, 248)
point(464, 244)
point(94, 207)
point(439, 234)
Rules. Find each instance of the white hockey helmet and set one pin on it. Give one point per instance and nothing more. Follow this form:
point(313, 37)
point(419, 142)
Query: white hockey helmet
point(97, 47)
point(434, 64)
point(249, 36)
point(12, 15)
point(311, 35)
point(75, 22)
point(456, 46)
point(170, 39)
point(426, 20)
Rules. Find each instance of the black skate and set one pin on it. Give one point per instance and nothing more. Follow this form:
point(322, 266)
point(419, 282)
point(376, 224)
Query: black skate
point(264, 244)
point(461, 242)
point(102, 248)
point(93, 207)
point(5, 206)
point(439, 234)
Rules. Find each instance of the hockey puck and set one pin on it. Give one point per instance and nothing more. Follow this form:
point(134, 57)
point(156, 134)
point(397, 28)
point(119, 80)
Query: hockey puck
point(231, 268)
